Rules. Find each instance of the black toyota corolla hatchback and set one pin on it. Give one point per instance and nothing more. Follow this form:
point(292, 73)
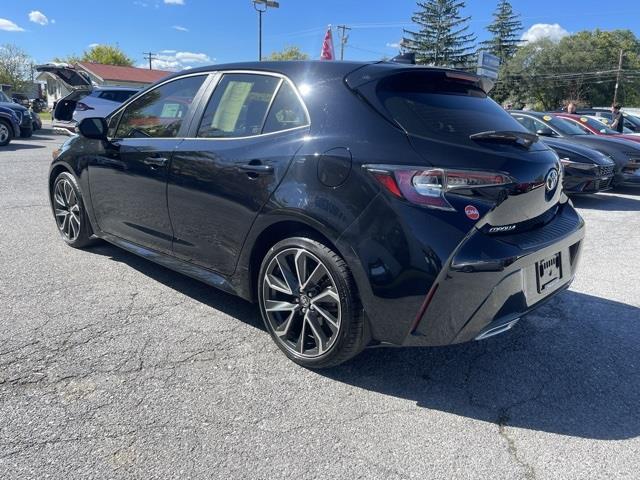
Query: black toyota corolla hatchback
point(357, 203)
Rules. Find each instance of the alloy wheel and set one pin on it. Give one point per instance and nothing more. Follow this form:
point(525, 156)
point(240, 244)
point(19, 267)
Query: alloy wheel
point(301, 302)
point(4, 133)
point(67, 209)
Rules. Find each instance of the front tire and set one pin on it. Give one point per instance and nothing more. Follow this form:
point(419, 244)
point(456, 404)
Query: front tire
point(6, 133)
point(309, 303)
point(69, 211)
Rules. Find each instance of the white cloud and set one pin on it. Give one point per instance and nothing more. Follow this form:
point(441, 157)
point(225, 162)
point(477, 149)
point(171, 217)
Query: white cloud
point(553, 32)
point(393, 44)
point(93, 45)
point(38, 17)
point(9, 26)
point(174, 60)
point(174, 2)
point(180, 28)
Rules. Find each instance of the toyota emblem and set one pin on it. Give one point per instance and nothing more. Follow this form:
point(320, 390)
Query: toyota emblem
point(551, 180)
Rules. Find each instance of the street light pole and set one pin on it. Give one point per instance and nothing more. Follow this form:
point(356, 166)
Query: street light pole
point(261, 6)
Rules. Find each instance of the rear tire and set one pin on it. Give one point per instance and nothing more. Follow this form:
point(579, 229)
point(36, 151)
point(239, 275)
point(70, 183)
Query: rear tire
point(69, 212)
point(6, 133)
point(309, 303)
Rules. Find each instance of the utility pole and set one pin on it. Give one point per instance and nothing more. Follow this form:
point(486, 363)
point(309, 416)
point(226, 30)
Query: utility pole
point(343, 38)
point(149, 56)
point(615, 92)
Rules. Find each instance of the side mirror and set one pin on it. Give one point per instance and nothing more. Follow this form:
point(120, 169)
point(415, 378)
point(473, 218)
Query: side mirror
point(95, 128)
point(545, 132)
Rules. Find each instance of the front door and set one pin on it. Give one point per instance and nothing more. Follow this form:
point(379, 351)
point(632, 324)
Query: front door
point(220, 179)
point(128, 183)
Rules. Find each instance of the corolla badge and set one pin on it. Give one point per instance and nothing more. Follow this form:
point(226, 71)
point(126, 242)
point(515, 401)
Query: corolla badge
point(551, 180)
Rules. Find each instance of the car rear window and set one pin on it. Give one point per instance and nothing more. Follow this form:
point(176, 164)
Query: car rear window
point(434, 106)
point(119, 96)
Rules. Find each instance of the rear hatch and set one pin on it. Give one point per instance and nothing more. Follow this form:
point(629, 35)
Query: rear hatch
point(74, 80)
point(493, 170)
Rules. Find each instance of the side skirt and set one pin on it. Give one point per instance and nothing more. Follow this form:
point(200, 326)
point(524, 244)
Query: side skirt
point(189, 269)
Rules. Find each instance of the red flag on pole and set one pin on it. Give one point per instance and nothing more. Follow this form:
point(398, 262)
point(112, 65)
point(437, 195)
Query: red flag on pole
point(327, 46)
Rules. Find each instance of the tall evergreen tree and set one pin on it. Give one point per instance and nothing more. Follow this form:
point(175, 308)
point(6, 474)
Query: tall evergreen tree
point(505, 30)
point(443, 38)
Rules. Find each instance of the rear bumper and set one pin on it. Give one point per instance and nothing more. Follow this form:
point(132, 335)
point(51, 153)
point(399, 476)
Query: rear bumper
point(65, 128)
point(491, 281)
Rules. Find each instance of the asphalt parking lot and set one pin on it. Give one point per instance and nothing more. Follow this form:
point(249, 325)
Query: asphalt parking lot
point(113, 367)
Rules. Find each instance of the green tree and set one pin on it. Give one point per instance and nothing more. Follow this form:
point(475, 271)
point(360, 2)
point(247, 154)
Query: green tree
point(289, 53)
point(580, 67)
point(443, 38)
point(15, 66)
point(106, 54)
point(505, 30)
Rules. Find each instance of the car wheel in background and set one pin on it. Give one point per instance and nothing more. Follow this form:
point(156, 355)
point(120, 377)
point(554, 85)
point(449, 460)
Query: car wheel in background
point(5, 133)
point(69, 212)
point(309, 303)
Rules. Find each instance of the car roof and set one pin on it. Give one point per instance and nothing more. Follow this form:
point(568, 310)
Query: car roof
point(299, 70)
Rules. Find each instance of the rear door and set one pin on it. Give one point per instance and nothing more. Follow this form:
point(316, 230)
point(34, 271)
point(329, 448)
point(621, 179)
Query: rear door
point(250, 127)
point(128, 183)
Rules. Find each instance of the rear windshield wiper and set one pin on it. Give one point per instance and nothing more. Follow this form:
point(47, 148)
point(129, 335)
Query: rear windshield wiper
point(523, 139)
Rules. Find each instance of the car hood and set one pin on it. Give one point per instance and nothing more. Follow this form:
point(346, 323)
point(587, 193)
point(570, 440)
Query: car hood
point(14, 106)
point(71, 77)
point(584, 153)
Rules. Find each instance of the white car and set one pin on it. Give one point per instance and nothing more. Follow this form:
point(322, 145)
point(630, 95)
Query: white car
point(85, 99)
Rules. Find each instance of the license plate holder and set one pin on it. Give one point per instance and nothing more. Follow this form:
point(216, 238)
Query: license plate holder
point(548, 272)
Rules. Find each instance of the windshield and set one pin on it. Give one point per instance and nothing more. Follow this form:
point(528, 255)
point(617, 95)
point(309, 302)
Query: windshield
point(437, 107)
point(565, 127)
point(596, 125)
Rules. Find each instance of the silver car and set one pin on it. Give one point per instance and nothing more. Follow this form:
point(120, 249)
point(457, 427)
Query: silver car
point(85, 99)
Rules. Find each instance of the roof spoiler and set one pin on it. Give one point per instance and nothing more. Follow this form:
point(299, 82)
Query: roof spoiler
point(408, 58)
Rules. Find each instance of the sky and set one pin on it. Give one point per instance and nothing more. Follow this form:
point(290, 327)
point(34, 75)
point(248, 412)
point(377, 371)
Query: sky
point(189, 33)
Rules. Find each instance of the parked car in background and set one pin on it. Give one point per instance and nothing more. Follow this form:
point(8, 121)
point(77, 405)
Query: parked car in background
point(85, 100)
point(595, 127)
point(358, 204)
point(585, 170)
point(630, 121)
point(23, 113)
point(624, 153)
point(21, 99)
point(38, 105)
point(9, 125)
point(607, 123)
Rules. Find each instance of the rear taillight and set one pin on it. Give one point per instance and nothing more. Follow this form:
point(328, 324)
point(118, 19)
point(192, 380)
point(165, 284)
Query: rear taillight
point(81, 107)
point(427, 187)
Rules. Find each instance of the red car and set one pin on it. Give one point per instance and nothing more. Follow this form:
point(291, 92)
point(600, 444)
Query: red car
point(591, 125)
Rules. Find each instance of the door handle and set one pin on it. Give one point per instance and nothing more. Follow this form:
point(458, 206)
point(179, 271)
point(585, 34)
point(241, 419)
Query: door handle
point(256, 169)
point(155, 161)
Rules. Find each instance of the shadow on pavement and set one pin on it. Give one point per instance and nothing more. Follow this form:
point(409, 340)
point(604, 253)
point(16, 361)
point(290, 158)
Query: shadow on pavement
point(224, 302)
point(21, 144)
point(607, 202)
point(571, 368)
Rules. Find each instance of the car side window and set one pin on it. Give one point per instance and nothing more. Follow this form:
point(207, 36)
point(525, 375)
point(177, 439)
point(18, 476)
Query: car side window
point(160, 112)
point(286, 111)
point(238, 106)
point(581, 126)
